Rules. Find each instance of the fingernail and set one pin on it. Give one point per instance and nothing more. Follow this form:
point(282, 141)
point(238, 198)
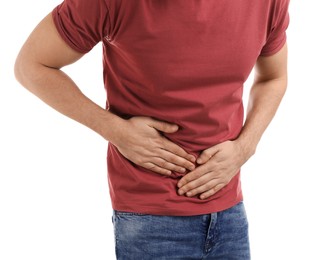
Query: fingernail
point(179, 185)
point(199, 160)
point(182, 170)
point(180, 192)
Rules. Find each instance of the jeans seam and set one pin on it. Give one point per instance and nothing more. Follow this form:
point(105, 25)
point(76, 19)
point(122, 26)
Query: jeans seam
point(209, 243)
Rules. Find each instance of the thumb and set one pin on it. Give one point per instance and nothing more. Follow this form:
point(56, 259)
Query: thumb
point(163, 126)
point(207, 154)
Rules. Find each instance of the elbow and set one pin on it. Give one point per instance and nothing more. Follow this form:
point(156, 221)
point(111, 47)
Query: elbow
point(20, 70)
point(17, 70)
point(282, 84)
point(25, 71)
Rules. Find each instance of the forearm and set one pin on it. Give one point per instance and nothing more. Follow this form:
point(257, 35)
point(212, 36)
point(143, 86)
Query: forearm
point(57, 90)
point(264, 101)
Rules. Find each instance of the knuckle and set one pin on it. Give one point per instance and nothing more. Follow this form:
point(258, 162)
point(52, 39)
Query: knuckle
point(138, 161)
point(163, 125)
point(225, 180)
point(191, 193)
point(142, 160)
point(163, 164)
point(182, 190)
point(219, 186)
point(181, 169)
point(210, 193)
point(175, 168)
point(203, 196)
point(186, 163)
point(207, 186)
point(178, 150)
point(190, 158)
point(197, 175)
point(150, 166)
point(206, 153)
point(214, 190)
point(182, 184)
point(186, 180)
point(192, 186)
point(195, 191)
point(161, 171)
point(173, 158)
point(156, 169)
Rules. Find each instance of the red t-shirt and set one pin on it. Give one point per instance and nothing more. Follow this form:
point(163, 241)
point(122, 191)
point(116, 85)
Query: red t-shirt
point(181, 61)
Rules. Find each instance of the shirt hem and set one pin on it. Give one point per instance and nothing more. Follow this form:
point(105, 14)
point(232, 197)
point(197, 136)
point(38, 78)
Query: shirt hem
point(211, 207)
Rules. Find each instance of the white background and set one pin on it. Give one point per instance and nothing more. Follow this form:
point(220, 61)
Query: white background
point(54, 200)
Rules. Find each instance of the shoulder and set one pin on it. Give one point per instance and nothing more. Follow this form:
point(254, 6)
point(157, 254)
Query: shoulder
point(280, 4)
point(278, 9)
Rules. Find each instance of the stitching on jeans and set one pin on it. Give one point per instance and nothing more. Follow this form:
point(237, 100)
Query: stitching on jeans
point(123, 213)
point(209, 243)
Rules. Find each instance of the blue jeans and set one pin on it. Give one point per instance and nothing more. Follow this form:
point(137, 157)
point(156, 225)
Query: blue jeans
point(222, 235)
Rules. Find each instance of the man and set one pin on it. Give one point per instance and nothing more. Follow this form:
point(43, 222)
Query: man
point(174, 72)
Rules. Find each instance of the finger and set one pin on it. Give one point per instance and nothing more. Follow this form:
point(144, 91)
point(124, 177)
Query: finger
point(168, 165)
point(155, 168)
point(163, 126)
point(175, 149)
point(191, 176)
point(207, 154)
point(176, 159)
point(212, 191)
point(203, 185)
point(197, 186)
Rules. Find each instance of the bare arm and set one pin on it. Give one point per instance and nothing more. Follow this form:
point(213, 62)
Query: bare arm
point(38, 68)
point(219, 164)
point(270, 83)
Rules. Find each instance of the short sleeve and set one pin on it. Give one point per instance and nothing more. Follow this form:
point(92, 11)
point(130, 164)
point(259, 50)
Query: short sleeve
point(82, 23)
point(277, 36)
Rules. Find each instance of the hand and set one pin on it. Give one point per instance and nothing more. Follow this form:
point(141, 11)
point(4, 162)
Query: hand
point(140, 140)
point(218, 165)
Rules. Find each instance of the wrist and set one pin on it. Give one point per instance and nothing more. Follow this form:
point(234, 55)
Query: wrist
point(118, 131)
point(246, 147)
point(107, 125)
